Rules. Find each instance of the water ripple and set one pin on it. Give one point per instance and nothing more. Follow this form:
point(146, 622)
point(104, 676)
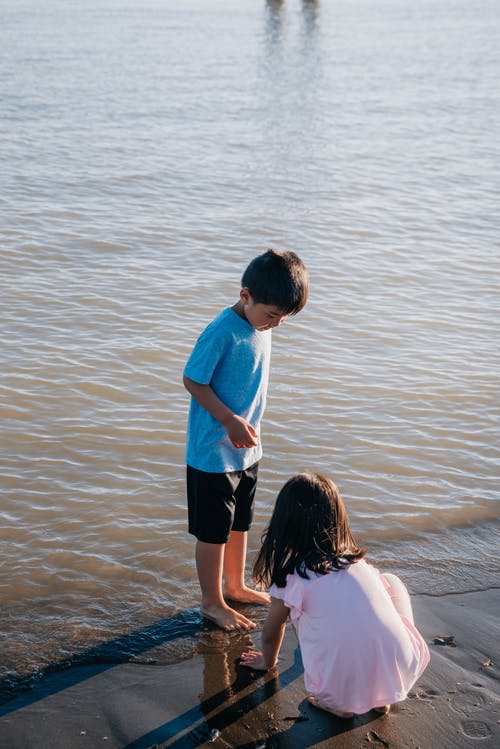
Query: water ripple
point(137, 183)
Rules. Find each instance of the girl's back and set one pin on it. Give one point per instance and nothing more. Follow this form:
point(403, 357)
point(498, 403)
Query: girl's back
point(359, 647)
point(358, 652)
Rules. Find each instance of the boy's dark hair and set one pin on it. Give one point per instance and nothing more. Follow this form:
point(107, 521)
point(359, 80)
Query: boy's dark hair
point(308, 531)
point(278, 277)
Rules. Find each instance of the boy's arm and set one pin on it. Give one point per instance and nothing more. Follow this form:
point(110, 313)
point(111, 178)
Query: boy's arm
point(272, 637)
point(239, 430)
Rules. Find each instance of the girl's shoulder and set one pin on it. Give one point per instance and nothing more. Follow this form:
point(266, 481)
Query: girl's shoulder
point(360, 568)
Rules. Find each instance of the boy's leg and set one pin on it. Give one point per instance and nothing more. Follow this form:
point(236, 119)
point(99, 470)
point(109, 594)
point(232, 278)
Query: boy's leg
point(234, 571)
point(235, 553)
point(399, 595)
point(209, 565)
point(210, 518)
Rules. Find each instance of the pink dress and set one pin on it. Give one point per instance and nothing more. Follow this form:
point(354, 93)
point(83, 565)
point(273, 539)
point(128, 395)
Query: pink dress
point(358, 652)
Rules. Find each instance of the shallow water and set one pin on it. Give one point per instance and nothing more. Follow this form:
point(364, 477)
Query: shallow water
point(147, 154)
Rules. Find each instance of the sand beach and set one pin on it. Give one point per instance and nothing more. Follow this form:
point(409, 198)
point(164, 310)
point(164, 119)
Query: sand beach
point(209, 700)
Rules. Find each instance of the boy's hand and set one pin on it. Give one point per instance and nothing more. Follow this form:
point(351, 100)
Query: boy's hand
point(254, 660)
point(241, 432)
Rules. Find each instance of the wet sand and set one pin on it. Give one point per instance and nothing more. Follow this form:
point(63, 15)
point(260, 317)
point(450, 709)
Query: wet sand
point(209, 700)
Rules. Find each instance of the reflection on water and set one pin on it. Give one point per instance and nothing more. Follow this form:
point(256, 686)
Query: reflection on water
point(278, 13)
point(145, 160)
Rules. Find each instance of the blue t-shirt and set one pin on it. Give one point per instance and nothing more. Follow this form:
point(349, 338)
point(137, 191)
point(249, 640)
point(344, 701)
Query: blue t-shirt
point(233, 358)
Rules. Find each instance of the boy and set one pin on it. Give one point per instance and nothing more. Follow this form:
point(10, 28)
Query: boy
point(227, 376)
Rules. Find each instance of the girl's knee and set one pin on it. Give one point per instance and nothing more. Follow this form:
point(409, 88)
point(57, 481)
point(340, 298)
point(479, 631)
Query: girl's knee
point(399, 594)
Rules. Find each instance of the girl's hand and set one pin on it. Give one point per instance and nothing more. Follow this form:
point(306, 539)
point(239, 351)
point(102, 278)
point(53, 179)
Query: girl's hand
point(271, 639)
point(253, 659)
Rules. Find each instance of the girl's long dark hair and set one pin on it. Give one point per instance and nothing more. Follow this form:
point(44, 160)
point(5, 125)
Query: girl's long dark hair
point(308, 531)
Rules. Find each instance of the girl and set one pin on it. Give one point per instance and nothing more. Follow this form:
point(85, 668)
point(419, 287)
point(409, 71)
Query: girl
point(359, 646)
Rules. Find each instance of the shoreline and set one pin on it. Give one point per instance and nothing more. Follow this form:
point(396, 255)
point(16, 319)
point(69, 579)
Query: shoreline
point(209, 700)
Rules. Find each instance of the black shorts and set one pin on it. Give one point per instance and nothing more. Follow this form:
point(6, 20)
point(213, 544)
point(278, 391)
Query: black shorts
point(220, 502)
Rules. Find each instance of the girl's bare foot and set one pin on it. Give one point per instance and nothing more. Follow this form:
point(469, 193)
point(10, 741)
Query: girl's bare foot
point(383, 710)
point(247, 595)
point(227, 618)
point(315, 702)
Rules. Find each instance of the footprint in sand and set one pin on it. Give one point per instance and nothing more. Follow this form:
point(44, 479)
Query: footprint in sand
point(475, 729)
point(468, 702)
point(374, 741)
point(424, 694)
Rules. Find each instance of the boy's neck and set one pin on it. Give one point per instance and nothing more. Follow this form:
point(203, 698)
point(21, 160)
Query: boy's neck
point(239, 309)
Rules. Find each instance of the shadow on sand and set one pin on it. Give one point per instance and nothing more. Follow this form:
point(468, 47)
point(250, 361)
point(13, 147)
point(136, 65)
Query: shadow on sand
point(106, 655)
point(246, 702)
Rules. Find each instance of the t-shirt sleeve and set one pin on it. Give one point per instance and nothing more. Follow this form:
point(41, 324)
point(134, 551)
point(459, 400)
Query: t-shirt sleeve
point(291, 595)
point(207, 352)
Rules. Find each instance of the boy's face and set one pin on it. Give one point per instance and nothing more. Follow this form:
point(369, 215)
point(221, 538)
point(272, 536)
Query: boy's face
point(260, 316)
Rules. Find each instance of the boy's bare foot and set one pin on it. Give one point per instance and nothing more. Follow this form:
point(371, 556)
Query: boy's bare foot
point(227, 618)
point(323, 706)
point(247, 595)
point(383, 710)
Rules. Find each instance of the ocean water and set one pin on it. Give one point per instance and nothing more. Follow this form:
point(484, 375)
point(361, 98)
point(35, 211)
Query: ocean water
point(147, 152)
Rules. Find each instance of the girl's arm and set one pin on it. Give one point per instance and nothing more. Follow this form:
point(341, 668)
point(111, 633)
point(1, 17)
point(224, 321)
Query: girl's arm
point(272, 637)
point(239, 430)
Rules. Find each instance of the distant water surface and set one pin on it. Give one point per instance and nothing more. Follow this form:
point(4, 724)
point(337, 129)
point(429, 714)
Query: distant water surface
point(147, 152)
